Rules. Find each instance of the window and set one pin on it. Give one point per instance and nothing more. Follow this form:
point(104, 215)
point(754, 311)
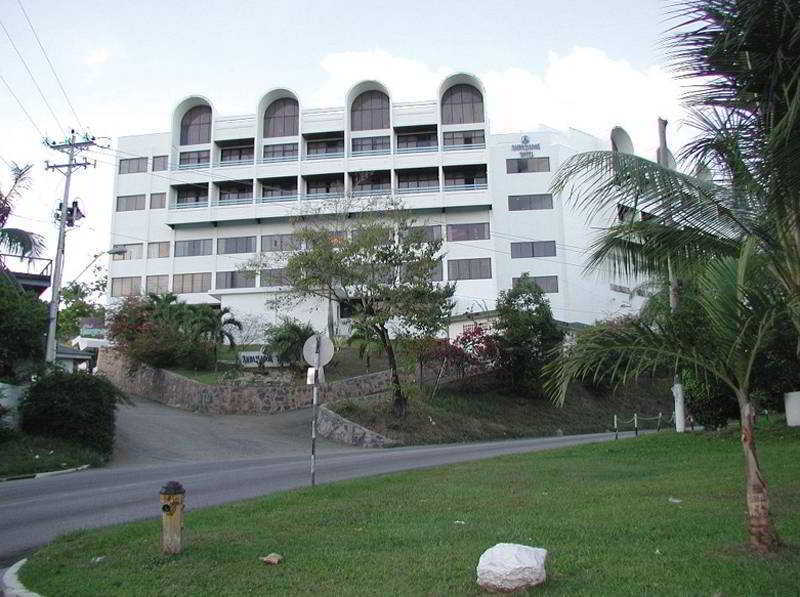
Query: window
point(325, 147)
point(348, 308)
point(370, 111)
point(271, 243)
point(196, 126)
point(318, 186)
point(437, 273)
point(157, 284)
point(281, 118)
point(158, 249)
point(469, 269)
point(428, 233)
point(194, 195)
point(235, 191)
point(417, 179)
point(526, 202)
point(279, 188)
point(235, 280)
point(239, 244)
point(158, 200)
point(370, 144)
point(130, 202)
point(414, 140)
point(546, 248)
point(198, 282)
point(133, 251)
point(548, 284)
point(280, 151)
point(195, 158)
point(464, 138)
point(522, 165)
point(371, 181)
point(160, 162)
point(462, 104)
point(236, 154)
point(465, 176)
point(133, 165)
point(126, 286)
point(192, 248)
point(273, 277)
point(461, 232)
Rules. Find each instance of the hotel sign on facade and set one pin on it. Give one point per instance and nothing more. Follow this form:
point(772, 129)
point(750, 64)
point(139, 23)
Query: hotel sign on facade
point(525, 147)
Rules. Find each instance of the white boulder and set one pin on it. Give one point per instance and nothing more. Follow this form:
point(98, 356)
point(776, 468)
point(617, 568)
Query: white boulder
point(508, 567)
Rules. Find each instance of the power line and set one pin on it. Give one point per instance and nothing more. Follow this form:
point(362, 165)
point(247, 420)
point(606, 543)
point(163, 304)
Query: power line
point(22, 107)
point(52, 68)
point(39, 89)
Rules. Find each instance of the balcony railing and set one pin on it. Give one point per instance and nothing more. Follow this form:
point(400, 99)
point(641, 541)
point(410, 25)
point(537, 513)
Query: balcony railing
point(232, 201)
point(278, 158)
point(188, 204)
point(234, 163)
point(323, 196)
point(39, 266)
point(368, 152)
point(279, 198)
point(323, 156)
point(419, 149)
point(465, 187)
point(465, 146)
point(414, 190)
point(370, 192)
point(193, 166)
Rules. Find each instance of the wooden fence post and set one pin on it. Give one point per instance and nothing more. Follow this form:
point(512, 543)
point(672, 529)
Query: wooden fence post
point(172, 504)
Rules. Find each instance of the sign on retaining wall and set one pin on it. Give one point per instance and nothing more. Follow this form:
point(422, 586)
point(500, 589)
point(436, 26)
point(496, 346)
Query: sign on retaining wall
point(256, 359)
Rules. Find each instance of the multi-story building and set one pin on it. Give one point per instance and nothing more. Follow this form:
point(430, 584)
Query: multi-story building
point(194, 203)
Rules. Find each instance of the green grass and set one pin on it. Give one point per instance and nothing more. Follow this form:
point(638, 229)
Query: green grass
point(457, 415)
point(23, 454)
point(603, 512)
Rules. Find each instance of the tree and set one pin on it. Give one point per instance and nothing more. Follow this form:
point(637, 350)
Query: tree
point(743, 58)
point(80, 300)
point(527, 334)
point(215, 325)
point(368, 252)
point(15, 240)
point(366, 342)
point(23, 325)
point(286, 340)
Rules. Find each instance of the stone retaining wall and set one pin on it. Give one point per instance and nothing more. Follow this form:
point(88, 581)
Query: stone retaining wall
point(335, 427)
point(226, 399)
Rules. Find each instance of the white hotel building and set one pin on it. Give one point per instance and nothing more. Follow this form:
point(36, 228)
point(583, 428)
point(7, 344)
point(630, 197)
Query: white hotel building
point(194, 203)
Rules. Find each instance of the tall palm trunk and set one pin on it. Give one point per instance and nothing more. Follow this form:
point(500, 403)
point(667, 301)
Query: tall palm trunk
point(763, 536)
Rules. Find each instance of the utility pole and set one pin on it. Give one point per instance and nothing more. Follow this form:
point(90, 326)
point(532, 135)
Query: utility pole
point(71, 147)
point(677, 387)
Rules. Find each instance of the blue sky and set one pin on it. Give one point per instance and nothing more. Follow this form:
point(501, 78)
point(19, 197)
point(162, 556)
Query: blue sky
point(579, 63)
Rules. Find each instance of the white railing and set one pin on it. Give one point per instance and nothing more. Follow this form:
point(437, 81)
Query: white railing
point(323, 156)
point(278, 198)
point(322, 196)
point(192, 166)
point(280, 158)
point(464, 146)
point(465, 187)
point(225, 163)
point(188, 204)
point(370, 192)
point(236, 201)
point(420, 149)
point(417, 190)
point(368, 152)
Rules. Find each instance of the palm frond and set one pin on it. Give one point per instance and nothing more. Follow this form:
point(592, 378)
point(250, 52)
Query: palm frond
point(21, 242)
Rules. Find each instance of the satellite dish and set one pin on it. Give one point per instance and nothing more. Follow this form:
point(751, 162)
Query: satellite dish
point(621, 140)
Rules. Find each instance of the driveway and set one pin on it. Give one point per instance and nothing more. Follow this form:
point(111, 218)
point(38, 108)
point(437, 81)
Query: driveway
point(151, 434)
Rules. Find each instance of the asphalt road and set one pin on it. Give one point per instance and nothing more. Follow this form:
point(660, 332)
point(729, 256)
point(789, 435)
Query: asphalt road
point(34, 511)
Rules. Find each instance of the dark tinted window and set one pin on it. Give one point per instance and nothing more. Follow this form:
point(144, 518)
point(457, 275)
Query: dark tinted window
point(461, 232)
point(462, 104)
point(545, 248)
point(528, 202)
point(521, 165)
point(281, 118)
point(370, 111)
point(196, 126)
point(469, 269)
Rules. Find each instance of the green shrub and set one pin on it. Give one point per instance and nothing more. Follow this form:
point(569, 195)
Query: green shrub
point(286, 339)
point(5, 428)
point(23, 325)
point(708, 401)
point(78, 407)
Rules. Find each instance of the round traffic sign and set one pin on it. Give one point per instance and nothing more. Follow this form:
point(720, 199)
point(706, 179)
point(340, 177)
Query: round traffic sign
point(325, 350)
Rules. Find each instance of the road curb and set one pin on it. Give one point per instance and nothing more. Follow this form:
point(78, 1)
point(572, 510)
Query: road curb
point(11, 584)
point(44, 475)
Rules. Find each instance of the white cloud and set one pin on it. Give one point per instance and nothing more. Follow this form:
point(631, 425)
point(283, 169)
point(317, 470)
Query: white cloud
point(97, 56)
point(585, 89)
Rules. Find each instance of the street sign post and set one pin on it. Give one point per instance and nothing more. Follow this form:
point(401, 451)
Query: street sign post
point(318, 352)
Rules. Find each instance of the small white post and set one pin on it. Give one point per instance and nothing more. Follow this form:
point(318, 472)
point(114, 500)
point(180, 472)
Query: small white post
point(636, 424)
point(616, 428)
point(680, 415)
point(314, 420)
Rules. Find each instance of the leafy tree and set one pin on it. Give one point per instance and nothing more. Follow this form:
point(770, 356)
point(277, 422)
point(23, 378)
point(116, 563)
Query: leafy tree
point(23, 326)
point(16, 241)
point(286, 339)
point(527, 334)
point(80, 300)
point(366, 342)
point(369, 253)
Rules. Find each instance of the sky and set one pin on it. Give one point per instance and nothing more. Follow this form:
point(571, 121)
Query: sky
point(124, 65)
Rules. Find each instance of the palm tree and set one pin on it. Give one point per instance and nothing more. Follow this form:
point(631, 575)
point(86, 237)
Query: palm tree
point(286, 339)
point(16, 241)
point(746, 110)
point(366, 342)
point(215, 325)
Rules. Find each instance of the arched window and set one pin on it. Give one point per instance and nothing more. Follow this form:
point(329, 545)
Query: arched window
point(462, 104)
point(196, 126)
point(281, 118)
point(370, 111)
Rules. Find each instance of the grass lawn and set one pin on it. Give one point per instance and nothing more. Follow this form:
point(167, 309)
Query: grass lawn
point(455, 415)
point(603, 511)
point(23, 454)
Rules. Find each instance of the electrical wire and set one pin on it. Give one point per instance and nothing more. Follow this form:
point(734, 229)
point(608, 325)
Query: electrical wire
point(52, 68)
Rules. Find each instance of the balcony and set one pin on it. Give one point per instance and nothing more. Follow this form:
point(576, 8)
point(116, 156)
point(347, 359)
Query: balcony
point(36, 278)
point(194, 166)
point(323, 196)
point(279, 198)
point(187, 204)
point(465, 187)
point(369, 152)
point(324, 156)
point(277, 159)
point(418, 149)
point(227, 163)
point(415, 190)
point(232, 201)
point(464, 147)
